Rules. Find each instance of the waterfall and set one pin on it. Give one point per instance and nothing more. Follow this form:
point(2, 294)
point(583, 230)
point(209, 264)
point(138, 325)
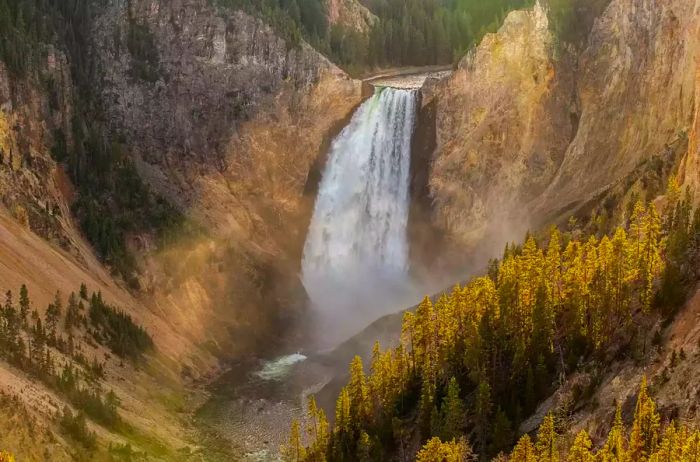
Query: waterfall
point(355, 262)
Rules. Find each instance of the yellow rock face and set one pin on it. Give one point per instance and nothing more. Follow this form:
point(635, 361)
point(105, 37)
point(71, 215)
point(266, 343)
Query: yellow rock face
point(690, 167)
point(501, 130)
point(527, 132)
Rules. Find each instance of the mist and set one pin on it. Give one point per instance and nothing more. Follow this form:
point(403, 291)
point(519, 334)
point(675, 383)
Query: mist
point(355, 266)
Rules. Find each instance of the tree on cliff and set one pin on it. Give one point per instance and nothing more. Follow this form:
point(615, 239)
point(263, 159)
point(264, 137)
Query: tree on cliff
point(437, 451)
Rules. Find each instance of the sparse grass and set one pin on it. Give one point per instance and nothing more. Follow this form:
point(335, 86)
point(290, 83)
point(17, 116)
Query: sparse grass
point(22, 434)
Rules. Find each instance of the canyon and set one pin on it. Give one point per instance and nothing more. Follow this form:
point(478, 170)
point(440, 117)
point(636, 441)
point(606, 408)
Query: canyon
point(233, 126)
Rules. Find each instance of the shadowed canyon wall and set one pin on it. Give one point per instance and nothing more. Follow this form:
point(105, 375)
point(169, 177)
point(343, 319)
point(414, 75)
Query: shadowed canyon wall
point(228, 130)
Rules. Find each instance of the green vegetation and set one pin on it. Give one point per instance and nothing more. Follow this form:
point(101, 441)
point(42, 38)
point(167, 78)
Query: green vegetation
point(412, 32)
point(41, 348)
point(646, 441)
point(571, 20)
point(479, 360)
point(293, 19)
point(423, 32)
point(117, 330)
point(408, 32)
point(75, 426)
point(112, 201)
point(681, 250)
point(22, 28)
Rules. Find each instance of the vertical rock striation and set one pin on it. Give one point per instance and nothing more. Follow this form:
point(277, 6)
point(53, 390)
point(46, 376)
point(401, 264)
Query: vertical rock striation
point(528, 131)
point(225, 119)
point(503, 124)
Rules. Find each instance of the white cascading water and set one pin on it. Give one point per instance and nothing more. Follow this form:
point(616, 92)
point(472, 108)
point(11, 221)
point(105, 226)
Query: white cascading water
point(355, 264)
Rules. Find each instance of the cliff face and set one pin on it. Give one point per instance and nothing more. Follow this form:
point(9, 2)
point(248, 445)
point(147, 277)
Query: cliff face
point(30, 183)
point(528, 132)
point(502, 127)
point(215, 80)
point(690, 167)
point(635, 94)
point(42, 247)
point(225, 120)
point(350, 14)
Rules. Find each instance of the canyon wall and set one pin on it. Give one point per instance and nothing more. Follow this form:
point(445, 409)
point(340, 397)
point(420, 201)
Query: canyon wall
point(224, 118)
point(530, 129)
point(41, 246)
point(227, 128)
point(350, 14)
point(690, 167)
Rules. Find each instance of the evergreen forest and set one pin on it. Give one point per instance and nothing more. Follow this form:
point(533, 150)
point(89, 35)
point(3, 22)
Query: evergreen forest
point(472, 364)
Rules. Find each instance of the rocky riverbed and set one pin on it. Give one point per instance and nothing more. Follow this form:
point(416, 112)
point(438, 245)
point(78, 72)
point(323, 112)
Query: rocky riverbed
point(254, 403)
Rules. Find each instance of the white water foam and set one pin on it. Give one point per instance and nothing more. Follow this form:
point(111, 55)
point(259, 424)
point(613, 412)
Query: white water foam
point(280, 367)
point(355, 264)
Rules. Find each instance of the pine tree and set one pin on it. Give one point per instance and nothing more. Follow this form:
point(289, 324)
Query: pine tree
point(343, 419)
point(524, 451)
point(294, 450)
point(483, 414)
point(637, 232)
point(670, 448)
point(364, 448)
point(435, 425)
point(408, 335)
point(615, 449)
point(651, 261)
point(535, 313)
point(317, 431)
point(502, 436)
point(691, 448)
point(452, 412)
point(546, 447)
point(342, 437)
point(645, 427)
point(424, 340)
point(437, 451)
point(72, 313)
point(10, 327)
point(580, 451)
point(427, 403)
point(53, 315)
point(24, 305)
point(357, 391)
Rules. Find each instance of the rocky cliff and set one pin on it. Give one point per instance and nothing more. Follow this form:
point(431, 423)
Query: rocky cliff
point(350, 14)
point(226, 123)
point(224, 119)
point(30, 183)
point(530, 129)
point(690, 167)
